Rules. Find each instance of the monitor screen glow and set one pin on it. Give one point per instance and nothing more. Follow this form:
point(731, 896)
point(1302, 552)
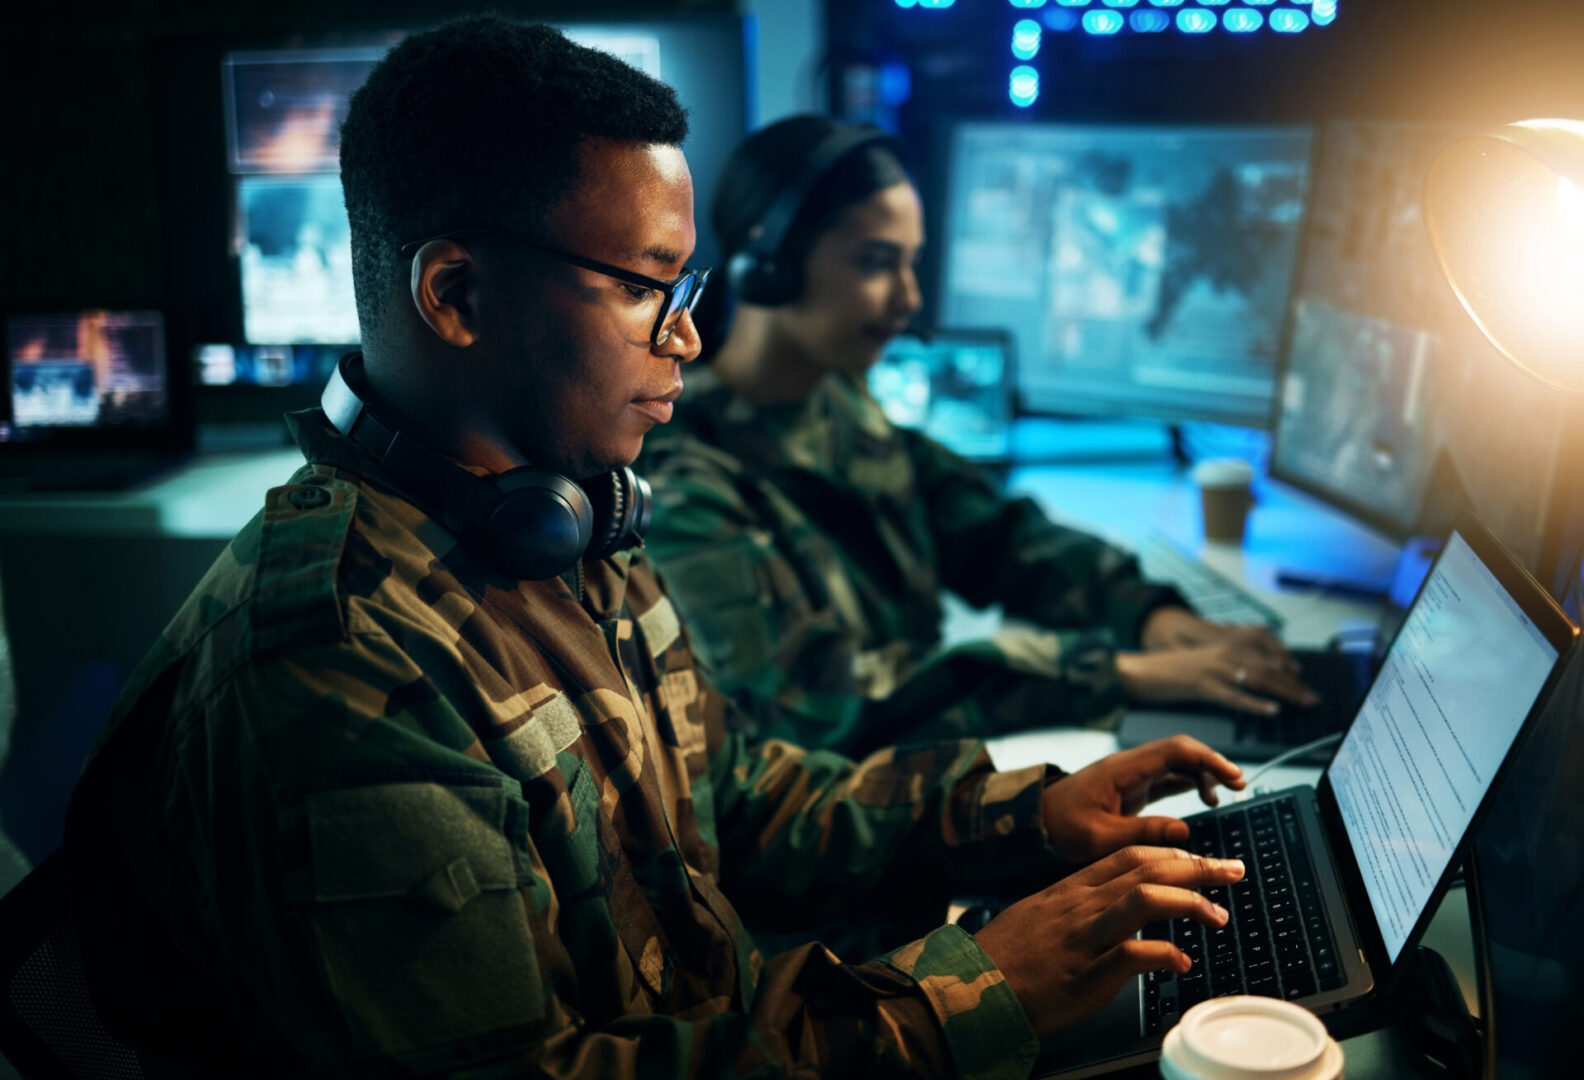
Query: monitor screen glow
point(1142, 271)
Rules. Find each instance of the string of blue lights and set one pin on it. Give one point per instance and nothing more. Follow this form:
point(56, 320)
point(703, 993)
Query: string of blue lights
point(1104, 18)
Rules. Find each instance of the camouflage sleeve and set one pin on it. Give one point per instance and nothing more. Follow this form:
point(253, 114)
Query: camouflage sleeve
point(311, 799)
point(782, 645)
point(812, 830)
point(995, 550)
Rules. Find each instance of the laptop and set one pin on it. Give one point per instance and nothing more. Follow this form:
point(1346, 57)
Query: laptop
point(954, 385)
point(1340, 676)
point(91, 401)
point(1343, 877)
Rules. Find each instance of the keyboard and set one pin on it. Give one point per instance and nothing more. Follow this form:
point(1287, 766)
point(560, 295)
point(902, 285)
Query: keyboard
point(1277, 942)
point(1212, 594)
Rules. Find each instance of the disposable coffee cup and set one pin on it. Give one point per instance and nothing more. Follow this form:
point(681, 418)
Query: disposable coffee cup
point(1250, 1038)
point(1226, 495)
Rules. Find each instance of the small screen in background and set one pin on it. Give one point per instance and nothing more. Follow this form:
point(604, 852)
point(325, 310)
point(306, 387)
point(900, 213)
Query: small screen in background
point(264, 365)
point(89, 369)
point(954, 389)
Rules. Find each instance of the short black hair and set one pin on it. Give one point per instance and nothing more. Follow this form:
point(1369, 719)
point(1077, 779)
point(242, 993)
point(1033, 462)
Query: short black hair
point(478, 123)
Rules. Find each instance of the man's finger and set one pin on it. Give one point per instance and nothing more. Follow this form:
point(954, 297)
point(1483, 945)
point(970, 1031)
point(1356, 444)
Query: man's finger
point(1130, 957)
point(1179, 753)
point(1157, 831)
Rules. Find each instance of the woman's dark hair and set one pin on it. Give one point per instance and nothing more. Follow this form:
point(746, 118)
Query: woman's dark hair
point(478, 123)
point(761, 168)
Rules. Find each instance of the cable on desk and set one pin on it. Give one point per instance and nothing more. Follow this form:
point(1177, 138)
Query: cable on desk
point(1286, 756)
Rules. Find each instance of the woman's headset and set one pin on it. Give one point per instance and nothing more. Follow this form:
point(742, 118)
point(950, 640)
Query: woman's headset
point(762, 273)
point(536, 524)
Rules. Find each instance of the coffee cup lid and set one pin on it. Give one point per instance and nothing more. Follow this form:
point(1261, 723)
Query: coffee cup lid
point(1223, 472)
point(1250, 1038)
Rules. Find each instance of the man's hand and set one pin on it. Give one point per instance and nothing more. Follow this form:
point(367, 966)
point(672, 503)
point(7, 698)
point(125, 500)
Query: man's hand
point(1234, 674)
point(1066, 951)
point(1094, 811)
point(1179, 628)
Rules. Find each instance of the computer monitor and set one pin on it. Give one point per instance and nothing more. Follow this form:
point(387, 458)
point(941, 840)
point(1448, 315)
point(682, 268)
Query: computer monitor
point(1391, 404)
point(284, 110)
point(1142, 271)
point(84, 371)
point(955, 386)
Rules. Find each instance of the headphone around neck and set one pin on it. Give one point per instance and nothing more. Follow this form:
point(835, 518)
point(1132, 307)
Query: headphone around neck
point(535, 524)
point(762, 273)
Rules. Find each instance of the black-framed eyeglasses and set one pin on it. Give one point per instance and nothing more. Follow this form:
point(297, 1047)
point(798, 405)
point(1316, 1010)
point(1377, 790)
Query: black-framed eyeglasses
point(679, 294)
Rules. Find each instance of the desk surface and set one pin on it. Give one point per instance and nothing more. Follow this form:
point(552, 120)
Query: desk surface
point(210, 497)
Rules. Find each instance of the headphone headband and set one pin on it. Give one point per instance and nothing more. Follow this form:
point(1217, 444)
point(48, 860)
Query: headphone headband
point(783, 209)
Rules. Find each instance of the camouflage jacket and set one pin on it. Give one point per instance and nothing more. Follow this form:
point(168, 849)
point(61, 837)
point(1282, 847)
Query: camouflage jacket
point(808, 546)
point(384, 810)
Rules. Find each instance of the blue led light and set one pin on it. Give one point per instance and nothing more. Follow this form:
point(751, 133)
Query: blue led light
point(1242, 20)
point(936, 3)
point(906, 3)
point(1196, 21)
point(1149, 21)
point(1120, 3)
point(1102, 22)
point(1212, 3)
point(1073, 3)
point(1167, 3)
point(1025, 39)
point(1060, 19)
point(1259, 3)
point(1023, 87)
point(1027, 3)
point(1289, 21)
point(1324, 12)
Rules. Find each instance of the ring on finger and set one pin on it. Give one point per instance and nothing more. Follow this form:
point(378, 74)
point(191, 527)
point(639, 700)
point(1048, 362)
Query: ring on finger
point(1240, 676)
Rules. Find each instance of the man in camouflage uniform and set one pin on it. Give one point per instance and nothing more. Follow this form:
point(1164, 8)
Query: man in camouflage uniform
point(373, 805)
point(808, 545)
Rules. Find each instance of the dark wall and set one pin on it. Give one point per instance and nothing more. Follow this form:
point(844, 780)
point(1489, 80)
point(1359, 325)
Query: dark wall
point(86, 206)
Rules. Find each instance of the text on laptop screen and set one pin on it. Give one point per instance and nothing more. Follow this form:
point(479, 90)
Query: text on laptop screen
point(1450, 699)
point(90, 369)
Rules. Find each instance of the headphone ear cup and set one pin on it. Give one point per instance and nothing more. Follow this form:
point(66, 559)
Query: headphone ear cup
point(622, 502)
point(541, 526)
point(761, 279)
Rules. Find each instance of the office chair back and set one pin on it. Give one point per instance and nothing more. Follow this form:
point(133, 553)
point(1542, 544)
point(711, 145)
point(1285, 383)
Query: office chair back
point(48, 1025)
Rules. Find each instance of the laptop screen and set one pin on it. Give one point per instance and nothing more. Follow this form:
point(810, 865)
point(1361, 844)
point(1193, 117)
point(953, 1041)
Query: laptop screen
point(1451, 697)
point(89, 369)
point(955, 387)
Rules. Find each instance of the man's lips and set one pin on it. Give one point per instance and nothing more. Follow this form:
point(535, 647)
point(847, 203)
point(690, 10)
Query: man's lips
point(658, 407)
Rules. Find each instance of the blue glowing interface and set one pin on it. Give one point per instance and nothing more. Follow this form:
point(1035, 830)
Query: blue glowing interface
point(954, 388)
point(264, 365)
point(1389, 394)
point(1141, 271)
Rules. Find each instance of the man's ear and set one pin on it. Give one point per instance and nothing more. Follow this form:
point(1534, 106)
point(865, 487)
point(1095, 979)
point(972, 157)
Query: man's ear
point(445, 291)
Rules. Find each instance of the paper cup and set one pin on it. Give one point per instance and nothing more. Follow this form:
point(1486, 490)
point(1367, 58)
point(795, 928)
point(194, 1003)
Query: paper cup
point(1224, 493)
point(1250, 1038)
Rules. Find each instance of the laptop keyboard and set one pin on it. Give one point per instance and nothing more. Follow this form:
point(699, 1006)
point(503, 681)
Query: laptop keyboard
point(1276, 943)
point(1338, 678)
